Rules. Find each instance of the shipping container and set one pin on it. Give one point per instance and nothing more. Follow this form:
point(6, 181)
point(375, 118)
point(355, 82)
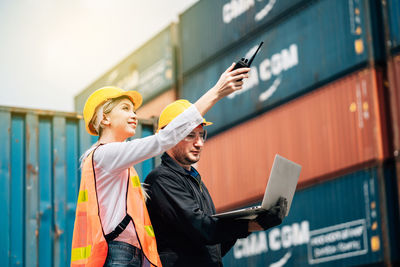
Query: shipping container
point(318, 44)
point(338, 127)
point(393, 70)
point(151, 69)
point(210, 26)
point(39, 182)
point(393, 21)
point(352, 220)
point(394, 89)
point(154, 106)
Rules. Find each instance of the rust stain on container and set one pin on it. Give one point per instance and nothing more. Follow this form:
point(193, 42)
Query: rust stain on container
point(332, 129)
point(32, 169)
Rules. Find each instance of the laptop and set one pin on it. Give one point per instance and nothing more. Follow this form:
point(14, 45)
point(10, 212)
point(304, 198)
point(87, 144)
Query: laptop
point(282, 182)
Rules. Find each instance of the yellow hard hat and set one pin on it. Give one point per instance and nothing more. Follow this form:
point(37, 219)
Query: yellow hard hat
point(174, 109)
point(100, 96)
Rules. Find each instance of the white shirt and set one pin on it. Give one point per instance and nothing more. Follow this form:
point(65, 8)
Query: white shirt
point(113, 160)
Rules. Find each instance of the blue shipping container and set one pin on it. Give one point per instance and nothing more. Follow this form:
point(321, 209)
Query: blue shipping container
point(319, 43)
point(210, 26)
point(352, 220)
point(393, 16)
point(39, 183)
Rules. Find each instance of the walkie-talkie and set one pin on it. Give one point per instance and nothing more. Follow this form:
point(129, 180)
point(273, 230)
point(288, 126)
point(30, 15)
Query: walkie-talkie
point(245, 63)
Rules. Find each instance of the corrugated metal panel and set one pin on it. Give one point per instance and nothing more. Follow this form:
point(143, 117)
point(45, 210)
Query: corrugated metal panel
point(59, 186)
point(5, 186)
point(149, 69)
point(73, 177)
point(39, 180)
point(393, 7)
point(338, 223)
point(394, 89)
point(17, 196)
point(331, 129)
point(32, 187)
point(46, 216)
point(210, 26)
point(154, 107)
point(315, 45)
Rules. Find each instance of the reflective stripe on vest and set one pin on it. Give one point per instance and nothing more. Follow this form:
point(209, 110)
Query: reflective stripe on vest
point(80, 253)
point(89, 247)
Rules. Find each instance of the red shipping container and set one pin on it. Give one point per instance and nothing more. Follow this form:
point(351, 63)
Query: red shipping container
point(394, 96)
point(394, 89)
point(332, 130)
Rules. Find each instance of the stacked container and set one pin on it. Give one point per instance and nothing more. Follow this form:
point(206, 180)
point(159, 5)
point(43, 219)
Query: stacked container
point(313, 44)
point(392, 30)
point(315, 95)
point(324, 91)
point(334, 129)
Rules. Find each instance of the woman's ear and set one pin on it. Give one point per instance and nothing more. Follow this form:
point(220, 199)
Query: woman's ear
point(105, 120)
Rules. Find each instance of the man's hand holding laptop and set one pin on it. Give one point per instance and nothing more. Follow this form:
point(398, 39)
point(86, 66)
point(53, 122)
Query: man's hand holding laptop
point(269, 218)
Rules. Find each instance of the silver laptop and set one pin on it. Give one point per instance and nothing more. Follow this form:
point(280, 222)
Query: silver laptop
point(282, 182)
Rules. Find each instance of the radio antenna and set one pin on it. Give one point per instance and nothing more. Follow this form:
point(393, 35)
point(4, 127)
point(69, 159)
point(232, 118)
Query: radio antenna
point(251, 60)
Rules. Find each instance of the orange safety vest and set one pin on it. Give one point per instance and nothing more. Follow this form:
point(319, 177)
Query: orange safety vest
point(89, 246)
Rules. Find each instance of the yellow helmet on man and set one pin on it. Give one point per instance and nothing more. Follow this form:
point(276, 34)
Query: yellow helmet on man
point(171, 111)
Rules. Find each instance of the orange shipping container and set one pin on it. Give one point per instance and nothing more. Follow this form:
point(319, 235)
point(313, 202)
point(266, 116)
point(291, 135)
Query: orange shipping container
point(333, 129)
point(394, 96)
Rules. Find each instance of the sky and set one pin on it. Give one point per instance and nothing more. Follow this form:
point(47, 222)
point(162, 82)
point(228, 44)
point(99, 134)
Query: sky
point(52, 49)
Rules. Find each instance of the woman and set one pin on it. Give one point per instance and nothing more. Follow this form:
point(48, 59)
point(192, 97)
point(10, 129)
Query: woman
point(112, 227)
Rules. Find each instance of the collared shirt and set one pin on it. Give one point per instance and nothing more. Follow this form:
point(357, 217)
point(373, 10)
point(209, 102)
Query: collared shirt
point(193, 172)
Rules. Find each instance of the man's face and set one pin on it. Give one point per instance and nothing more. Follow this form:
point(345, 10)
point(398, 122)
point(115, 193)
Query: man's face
point(188, 151)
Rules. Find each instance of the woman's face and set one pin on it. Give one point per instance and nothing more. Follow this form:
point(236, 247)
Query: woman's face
point(122, 120)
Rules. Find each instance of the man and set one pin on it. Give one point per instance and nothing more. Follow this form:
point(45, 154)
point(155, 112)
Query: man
point(180, 206)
